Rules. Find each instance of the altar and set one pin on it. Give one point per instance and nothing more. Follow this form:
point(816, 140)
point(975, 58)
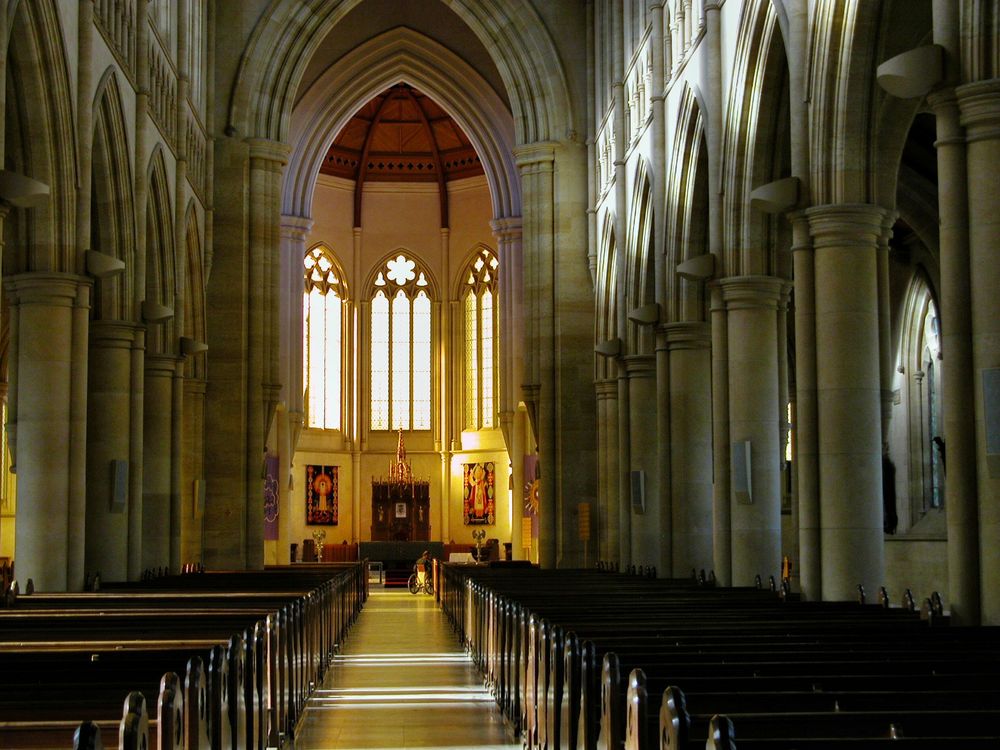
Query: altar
point(401, 505)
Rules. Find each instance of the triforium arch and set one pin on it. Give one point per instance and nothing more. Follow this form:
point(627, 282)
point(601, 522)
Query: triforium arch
point(288, 34)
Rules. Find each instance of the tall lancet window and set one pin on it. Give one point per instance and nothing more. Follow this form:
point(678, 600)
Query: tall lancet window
point(323, 338)
point(401, 347)
point(479, 288)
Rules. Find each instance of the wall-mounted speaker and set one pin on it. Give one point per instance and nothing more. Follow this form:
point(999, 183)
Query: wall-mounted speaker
point(637, 481)
point(119, 486)
point(741, 477)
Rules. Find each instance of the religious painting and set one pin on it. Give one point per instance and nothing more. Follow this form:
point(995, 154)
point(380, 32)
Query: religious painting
point(321, 495)
point(271, 497)
point(480, 493)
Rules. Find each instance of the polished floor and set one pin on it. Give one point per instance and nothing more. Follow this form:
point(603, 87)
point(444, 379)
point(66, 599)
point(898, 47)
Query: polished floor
point(402, 681)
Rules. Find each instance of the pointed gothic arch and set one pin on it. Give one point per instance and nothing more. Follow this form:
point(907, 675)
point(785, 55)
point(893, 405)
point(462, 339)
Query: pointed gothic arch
point(606, 319)
point(640, 287)
point(194, 292)
point(112, 209)
point(287, 35)
point(45, 150)
point(687, 204)
point(401, 55)
point(757, 147)
point(160, 264)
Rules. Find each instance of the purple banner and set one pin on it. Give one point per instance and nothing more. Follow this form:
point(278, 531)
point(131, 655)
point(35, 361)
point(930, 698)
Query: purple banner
point(271, 497)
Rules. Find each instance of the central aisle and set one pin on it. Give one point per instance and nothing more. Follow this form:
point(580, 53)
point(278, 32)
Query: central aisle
point(402, 681)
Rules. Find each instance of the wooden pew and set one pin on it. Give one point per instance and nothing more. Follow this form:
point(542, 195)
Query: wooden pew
point(531, 662)
point(261, 657)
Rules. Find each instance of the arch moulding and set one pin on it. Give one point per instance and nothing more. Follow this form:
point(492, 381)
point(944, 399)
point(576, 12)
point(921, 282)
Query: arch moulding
point(401, 55)
point(288, 33)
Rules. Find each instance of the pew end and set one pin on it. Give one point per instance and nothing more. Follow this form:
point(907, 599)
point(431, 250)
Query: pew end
point(720, 734)
point(675, 722)
point(133, 733)
point(87, 737)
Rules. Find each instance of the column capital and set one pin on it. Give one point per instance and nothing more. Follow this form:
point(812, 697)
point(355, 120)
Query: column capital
point(507, 228)
point(845, 225)
point(295, 228)
point(265, 149)
point(606, 389)
point(161, 365)
point(694, 334)
point(112, 334)
point(745, 292)
point(980, 106)
point(539, 154)
point(196, 386)
point(49, 288)
point(639, 365)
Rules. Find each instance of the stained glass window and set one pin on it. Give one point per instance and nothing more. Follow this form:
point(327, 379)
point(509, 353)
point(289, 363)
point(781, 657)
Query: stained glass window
point(323, 338)
point(481, 323)
point(401, 347)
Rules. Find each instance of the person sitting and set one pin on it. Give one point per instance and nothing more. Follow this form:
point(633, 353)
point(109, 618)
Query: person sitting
point(423, 567)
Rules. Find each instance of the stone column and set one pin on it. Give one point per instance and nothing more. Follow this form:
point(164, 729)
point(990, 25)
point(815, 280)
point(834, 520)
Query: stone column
point(45, 345)
point(607, 470)
point(267, 162)
point(722, 535)
point(177, 465)
point(507, 233)
point(536, 164)
point(517, 474)
point(109, 416)
point(690, 459)
point(135, 453)
point(752, 325)
point(641, 372)
point(980, 107)
point(845, 241)
point(957, 383)
point(806, 456)
point(157, 463)
point(294, 231)
point(194, 470)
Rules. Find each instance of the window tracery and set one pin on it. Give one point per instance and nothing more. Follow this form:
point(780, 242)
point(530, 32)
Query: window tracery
point(323, 340)
point(480, 308)
point(400, 347)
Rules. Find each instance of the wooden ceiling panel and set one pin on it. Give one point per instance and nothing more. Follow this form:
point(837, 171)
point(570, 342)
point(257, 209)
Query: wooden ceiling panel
point(409, 138)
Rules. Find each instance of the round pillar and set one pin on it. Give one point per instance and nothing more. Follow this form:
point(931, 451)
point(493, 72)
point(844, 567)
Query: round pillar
point(980, 108)
point(845, 242)
point(689, 346)
point(44, 344)
point(754, 431)
point(157, 464)
point(641, 373)
point(109, 419)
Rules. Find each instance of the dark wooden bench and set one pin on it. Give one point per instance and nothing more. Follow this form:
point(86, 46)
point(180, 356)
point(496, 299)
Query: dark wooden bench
point(251, 645)
point(737, 650)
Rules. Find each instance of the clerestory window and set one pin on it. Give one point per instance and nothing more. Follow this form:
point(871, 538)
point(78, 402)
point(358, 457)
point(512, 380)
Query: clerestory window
point(481, 343)
point(323, 338)
point(401, 346)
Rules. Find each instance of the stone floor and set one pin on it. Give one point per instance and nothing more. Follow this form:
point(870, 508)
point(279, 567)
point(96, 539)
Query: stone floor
point(402, 681)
